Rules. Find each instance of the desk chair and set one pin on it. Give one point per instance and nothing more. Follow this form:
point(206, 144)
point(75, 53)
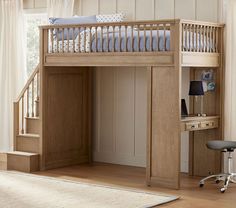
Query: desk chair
point(224, 146)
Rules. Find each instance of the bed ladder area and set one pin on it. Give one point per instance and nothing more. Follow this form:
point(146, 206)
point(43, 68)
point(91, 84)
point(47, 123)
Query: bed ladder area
point(25, 154)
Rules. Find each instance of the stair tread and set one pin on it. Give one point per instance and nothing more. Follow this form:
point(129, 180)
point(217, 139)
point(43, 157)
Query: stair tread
point(28, 135)
point(22, 153)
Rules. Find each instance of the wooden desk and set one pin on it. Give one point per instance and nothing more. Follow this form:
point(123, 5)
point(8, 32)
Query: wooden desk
point(198, 165)
point(196, 123)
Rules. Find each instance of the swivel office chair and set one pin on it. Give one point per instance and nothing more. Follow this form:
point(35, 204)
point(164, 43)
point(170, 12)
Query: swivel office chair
point(224, 146)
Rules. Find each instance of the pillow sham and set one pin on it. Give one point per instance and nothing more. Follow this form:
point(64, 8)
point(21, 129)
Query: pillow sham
point(118, 17)
point(68, 21)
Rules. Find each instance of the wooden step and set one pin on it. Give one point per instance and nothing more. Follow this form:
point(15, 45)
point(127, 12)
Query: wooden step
point(23, 161)
point(32, 125)
point(27, 143)
point(3, 161)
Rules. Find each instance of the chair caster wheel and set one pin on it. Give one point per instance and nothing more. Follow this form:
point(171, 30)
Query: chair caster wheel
point(222, 190)
point(201, 185)
point(217, 181)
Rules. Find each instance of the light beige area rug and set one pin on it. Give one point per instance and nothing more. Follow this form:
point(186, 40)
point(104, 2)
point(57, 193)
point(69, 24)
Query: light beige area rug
point(19, 190)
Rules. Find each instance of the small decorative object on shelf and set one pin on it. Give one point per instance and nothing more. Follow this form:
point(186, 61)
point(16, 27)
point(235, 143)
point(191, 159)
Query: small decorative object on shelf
point(196, 90)
point(207, 75)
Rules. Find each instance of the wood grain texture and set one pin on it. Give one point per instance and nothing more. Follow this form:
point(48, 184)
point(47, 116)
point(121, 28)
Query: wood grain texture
point(3, 161)
point(27, 143)
point(110, 59)
point(32, 125)
point(206, 161)
point(22, 161)
point(126, 177)
point(200, 59)
point(165, 147)
point(67, 121)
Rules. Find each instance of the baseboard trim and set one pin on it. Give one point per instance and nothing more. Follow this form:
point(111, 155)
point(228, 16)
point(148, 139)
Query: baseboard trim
point(120, 159)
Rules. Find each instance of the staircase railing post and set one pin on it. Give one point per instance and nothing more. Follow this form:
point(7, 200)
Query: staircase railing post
point(16, 123)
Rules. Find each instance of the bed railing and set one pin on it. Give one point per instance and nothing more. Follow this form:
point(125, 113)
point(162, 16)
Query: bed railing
point(26, 105)
point(144, 36)
point(200, 36)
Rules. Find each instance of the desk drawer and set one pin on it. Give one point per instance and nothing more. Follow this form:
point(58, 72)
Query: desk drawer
point(209, 124)
point(191, 126)
point(199, 123)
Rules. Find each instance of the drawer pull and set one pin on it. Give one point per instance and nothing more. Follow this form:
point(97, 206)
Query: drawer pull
point(191, 126)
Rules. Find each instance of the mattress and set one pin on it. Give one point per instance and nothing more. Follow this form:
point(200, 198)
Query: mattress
point(131, 40)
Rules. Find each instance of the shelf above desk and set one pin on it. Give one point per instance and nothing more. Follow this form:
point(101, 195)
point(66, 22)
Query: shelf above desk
point(196, 123)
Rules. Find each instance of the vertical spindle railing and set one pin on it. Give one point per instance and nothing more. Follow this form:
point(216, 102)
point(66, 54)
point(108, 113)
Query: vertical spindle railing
point(25, 103)
point(138, 44)
point(32, 98)
point(108, 37)
point(164, 44)
point(51, 40)
point(113, 39)
point(28, 103)
point(132, 37)
point(96, 39)
point(126, 39)
point(73, 40)
point(22, 115)
point(62, 40)
point(120, 47)
point(144, 39)
point(57, 40)
point(151, 45)
point(107, 42)
point(204, 38)
point(158, 39)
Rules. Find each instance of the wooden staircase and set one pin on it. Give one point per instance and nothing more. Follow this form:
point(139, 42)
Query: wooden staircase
point(25, 155)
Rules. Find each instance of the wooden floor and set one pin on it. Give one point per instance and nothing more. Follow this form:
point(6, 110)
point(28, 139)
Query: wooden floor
point(132, 177)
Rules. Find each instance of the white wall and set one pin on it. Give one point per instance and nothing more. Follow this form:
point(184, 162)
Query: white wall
point(120, 94)
point(206, 10)
point(120, 135)
point(34, 4)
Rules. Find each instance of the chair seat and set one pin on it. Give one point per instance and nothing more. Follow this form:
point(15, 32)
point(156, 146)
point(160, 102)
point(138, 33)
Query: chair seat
point(221, 145)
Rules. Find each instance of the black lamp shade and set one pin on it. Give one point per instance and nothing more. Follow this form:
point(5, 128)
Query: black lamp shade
point(196, 88)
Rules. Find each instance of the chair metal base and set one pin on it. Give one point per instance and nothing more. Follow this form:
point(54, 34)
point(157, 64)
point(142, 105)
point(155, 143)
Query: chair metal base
point(226, 177)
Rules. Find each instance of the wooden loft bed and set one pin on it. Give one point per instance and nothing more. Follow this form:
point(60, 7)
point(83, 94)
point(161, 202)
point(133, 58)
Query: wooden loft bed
point(155, 42)
point(61, 91)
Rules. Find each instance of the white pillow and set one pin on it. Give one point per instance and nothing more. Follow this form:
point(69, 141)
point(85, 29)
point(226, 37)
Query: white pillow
point(118, 17)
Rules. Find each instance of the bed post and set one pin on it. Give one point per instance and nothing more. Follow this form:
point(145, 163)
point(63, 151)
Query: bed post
point(164, 143)
point(43, 51)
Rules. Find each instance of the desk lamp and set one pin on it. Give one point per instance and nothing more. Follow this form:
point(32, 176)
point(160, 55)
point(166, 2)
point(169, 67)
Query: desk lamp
point(196, 90)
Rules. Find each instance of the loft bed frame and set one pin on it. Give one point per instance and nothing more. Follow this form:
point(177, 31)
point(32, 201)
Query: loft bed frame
point(162, 47)
point(197, 43)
